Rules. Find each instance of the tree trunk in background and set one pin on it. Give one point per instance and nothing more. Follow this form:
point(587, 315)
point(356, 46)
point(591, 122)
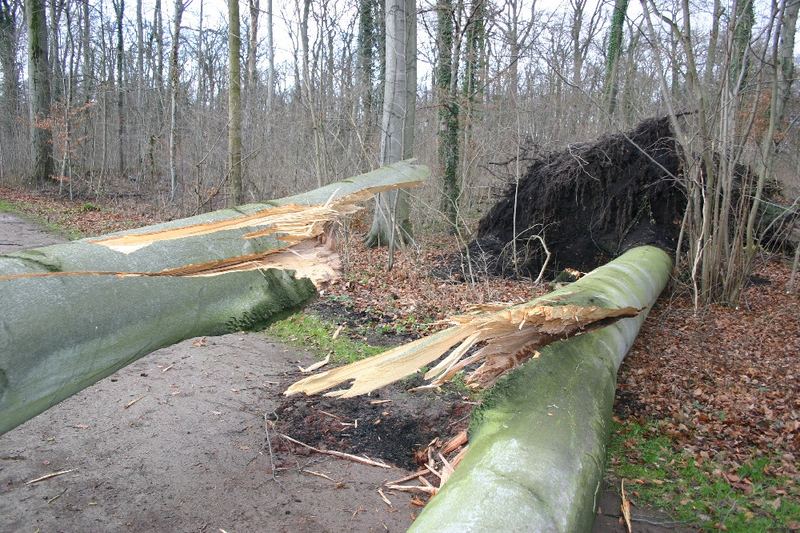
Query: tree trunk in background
point(745, 18)
point(611, 83)
point(8, 63)
point(87, 68)
point(158, 29)
point(783, 58)
point(174, 78)
point(39, 82)
point(234, 107)
point(366, 46)
point(391, 224)
point(54, 42)
point(446, 77)
point(270, 60)
point(119, 7)
point(252, 44)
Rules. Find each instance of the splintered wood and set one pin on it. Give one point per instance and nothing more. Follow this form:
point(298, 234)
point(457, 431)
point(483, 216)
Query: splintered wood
point(506, 337)
point(435, 464)
point(305, 230)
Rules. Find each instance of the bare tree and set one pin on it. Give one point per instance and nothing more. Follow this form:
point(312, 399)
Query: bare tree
point(234, 107)
point(39, 82)
point(119, 9)
point(174, 79)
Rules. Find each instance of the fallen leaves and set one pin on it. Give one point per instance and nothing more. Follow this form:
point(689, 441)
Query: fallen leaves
point(725, 384)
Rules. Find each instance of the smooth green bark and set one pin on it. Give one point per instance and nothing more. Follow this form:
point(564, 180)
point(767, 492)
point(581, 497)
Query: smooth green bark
point(60, 334)
point(537, 444)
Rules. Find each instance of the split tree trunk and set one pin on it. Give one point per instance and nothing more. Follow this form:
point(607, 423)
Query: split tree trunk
point(82, 310)
point(538, 442)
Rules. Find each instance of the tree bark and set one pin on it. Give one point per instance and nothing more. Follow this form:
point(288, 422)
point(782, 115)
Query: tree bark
point(234, 107)
point(84, 309)
point(446, 78)
point(174, 78)
point(252, 44)
point(270, 61)
point(8, 60)
point(390, 224)
point(39, 82)
point(615, 33)
point(119, 7)
point(538, 442)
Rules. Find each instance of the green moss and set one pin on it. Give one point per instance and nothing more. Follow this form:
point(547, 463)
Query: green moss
point(283, 293)
point(697, 494)
point(311, 332)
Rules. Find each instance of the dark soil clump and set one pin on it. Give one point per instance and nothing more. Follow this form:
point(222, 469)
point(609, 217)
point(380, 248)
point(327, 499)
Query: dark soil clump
point(389, 430)
point(589, 202)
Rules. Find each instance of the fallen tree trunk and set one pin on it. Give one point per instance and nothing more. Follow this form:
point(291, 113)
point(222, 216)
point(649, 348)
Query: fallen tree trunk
point(76, 312)
point(538, 441)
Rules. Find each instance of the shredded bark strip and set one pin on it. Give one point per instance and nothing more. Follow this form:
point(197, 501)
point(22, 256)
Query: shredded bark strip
point(509, 337)
point(295, 222)
point(306, 230)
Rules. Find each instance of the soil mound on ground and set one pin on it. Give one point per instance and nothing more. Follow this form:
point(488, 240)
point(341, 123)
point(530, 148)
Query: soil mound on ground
point(589, 202)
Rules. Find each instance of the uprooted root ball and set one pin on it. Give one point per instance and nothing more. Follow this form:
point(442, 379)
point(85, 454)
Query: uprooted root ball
point(590, 202)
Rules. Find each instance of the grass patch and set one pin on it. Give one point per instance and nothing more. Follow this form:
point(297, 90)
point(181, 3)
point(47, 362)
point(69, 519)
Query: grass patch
point(23, 211)
point(311, 332)
point(752, 498)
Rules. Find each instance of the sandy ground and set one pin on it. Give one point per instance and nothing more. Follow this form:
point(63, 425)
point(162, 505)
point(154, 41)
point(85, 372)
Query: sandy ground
point(177, 442)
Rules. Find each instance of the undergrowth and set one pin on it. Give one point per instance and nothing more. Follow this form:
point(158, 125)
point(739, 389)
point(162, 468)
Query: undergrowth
point(310, 332)
point(701, 494)
point(23, 211)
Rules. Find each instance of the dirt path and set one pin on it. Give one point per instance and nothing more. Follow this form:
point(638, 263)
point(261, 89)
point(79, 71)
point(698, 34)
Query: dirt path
point(16, 234)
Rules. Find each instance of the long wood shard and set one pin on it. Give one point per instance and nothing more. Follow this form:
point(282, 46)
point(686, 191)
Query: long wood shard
point(508, 336)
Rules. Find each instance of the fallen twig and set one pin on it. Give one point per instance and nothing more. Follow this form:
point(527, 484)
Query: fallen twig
point(334, 453)
point(57, 496)
point(407, 478)
point(413, 488)
point(315, 366)
point(132, 402)
point(319, 474)
point(379, 402)
point(49, 476)
point(453, 444)
point(384, 498)
point(269, 447)
point(625, 507)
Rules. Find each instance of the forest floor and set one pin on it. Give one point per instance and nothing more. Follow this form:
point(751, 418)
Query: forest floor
point(707, 418)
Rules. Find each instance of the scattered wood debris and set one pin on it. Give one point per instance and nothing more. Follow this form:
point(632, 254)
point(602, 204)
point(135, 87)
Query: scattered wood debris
point(625, 507)
point(49, 476)
point(315, 366)
point(436, 465)
point(340, 455)
point(130, 403)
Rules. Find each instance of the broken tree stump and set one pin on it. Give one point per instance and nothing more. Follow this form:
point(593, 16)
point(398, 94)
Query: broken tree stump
point(77, 312)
